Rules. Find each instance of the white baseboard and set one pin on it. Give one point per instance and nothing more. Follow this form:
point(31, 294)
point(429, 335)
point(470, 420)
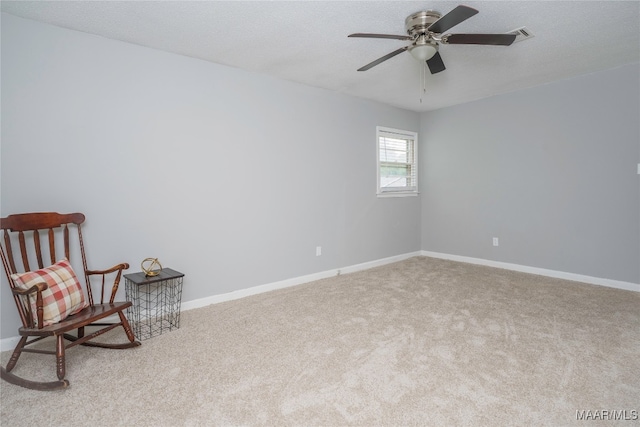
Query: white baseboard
point(628, 286)
point(10, 343)
point(230, 296)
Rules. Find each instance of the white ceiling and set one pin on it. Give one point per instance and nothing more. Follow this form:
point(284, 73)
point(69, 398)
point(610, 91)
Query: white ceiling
point(306, 41)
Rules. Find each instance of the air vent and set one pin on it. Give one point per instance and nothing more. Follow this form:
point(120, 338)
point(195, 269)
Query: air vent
point(522, 33)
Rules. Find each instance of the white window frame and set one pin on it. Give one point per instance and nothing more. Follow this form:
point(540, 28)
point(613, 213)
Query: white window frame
point(410, 137)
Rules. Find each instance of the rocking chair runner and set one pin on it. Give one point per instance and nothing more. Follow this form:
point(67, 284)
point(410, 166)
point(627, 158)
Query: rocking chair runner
point(25, 231)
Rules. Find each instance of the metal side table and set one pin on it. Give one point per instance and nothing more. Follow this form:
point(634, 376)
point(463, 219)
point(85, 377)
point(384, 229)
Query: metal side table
point(156, 302)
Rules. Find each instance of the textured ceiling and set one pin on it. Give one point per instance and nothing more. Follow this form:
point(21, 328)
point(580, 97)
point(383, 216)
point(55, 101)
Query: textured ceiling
point(306, 41)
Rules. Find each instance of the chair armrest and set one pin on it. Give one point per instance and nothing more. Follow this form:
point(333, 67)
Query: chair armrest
point(118, 269)
point(37, 288)
point(121, 266)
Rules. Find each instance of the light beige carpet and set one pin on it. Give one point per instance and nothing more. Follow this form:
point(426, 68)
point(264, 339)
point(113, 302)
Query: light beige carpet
point(421, 342)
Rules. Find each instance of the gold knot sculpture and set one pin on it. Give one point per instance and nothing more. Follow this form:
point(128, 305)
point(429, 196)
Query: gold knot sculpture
point(151, 267)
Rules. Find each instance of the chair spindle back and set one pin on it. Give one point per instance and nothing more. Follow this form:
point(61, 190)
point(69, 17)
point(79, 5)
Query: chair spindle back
point(26, 230)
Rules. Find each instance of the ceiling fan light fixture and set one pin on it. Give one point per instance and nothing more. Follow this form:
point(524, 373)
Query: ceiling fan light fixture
point(423, 52)
point(427, 30)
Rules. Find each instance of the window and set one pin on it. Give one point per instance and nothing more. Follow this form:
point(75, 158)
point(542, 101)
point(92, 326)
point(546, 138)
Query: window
point(397, 162)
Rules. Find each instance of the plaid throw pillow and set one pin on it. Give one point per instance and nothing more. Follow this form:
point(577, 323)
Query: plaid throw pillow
point(64, 296)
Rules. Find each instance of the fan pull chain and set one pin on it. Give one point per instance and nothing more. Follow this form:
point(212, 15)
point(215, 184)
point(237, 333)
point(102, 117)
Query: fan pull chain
point(423, 81)
point(424, 77)
point(420, 82)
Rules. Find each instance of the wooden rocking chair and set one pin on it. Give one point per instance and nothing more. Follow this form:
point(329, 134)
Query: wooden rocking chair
point(64, 297)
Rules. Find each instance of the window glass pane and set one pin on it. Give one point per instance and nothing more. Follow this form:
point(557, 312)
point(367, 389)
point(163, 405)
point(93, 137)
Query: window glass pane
point(388, 182)
point(394, 170)
point(395, 143)
point(394, 156)
point(395, 150)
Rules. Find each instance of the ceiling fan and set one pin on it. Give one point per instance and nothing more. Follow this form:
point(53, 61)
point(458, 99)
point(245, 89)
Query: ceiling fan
point(425, 31)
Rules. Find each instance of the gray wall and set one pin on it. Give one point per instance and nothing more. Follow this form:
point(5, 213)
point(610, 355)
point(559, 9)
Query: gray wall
point(551, 171)
point(231, 177)
point(235, 178)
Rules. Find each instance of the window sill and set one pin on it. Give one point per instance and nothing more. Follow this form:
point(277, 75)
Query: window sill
point(398, 194)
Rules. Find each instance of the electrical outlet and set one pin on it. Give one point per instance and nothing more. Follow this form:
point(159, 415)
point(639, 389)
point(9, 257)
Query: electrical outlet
point(496, 242)
point(318, 250)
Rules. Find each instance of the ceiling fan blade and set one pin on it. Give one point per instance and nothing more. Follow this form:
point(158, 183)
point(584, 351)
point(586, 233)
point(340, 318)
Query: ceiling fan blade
point(379, 36)
point(493, 39)
point(384, 58)
point(435, 64)
point(451, 19)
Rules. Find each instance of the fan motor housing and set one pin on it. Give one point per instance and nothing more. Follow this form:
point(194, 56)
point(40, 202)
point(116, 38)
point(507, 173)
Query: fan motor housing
point(417, 23)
